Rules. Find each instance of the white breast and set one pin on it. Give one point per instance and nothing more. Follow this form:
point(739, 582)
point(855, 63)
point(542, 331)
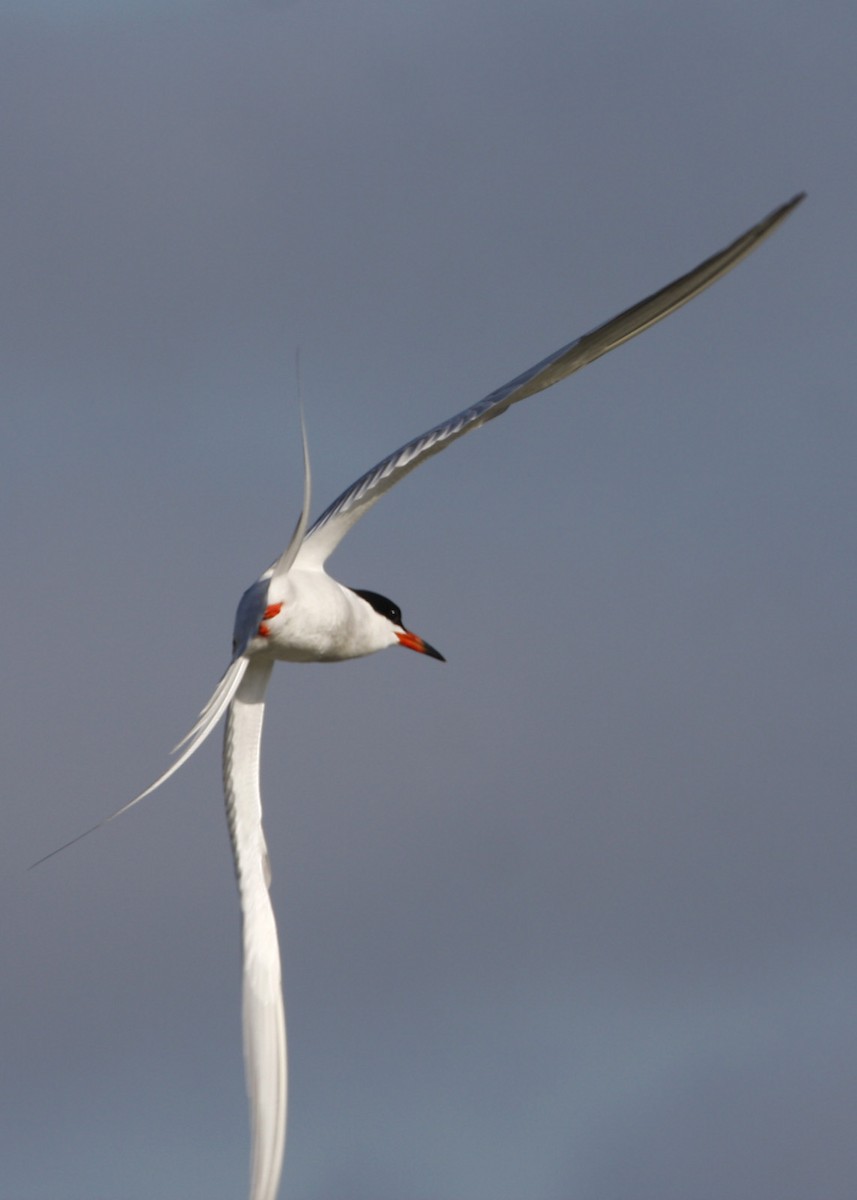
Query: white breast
point(321, 621)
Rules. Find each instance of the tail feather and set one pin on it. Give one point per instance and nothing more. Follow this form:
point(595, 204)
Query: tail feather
point(208, 718)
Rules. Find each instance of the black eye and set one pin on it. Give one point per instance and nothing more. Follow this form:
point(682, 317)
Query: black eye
point(383, 606)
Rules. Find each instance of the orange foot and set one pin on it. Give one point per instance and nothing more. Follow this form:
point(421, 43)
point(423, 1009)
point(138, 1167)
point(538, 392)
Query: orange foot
point(271, 611)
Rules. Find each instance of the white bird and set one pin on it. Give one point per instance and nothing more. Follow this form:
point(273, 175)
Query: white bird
point(296, 612)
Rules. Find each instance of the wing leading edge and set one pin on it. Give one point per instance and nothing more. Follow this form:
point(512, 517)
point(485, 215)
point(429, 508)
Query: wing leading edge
point(329, 529)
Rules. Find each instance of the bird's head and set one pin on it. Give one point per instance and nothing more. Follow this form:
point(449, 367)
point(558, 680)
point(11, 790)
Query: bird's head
point(392, 614)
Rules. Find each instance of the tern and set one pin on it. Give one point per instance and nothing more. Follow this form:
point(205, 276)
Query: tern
point(296, 612)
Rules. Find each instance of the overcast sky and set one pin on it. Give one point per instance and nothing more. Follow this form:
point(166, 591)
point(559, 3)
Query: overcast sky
point(571, 917)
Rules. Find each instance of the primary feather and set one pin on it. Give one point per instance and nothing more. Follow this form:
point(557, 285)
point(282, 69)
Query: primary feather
point(329, 529)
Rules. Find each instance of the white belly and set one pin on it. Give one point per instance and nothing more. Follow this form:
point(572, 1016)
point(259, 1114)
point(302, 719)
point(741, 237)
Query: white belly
point(316, 620)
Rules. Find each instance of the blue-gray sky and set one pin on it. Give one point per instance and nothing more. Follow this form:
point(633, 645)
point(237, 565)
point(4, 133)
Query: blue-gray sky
point(571, 917)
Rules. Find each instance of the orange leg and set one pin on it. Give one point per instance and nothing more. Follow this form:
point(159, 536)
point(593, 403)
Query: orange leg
point(271, 611)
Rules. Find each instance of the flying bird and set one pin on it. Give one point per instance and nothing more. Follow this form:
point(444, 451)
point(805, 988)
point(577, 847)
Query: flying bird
point(296, 612)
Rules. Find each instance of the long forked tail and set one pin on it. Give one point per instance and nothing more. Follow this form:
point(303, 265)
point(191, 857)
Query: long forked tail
point(284, 563)
point(190, 743)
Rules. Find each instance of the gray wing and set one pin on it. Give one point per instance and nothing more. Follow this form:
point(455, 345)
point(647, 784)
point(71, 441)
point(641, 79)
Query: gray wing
point(326, 533)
